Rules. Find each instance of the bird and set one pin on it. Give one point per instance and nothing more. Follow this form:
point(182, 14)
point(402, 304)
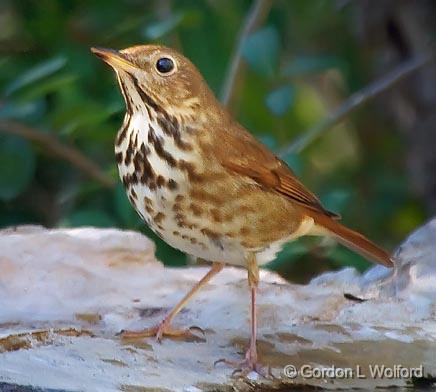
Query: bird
point(204, 184)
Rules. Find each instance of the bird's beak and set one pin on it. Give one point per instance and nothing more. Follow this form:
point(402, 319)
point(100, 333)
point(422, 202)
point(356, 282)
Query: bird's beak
point(114, 58)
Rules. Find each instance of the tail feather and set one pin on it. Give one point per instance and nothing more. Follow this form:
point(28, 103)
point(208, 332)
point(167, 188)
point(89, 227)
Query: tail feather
point(353, 240)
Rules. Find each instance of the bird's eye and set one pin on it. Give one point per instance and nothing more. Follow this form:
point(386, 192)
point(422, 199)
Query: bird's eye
point(164, 65)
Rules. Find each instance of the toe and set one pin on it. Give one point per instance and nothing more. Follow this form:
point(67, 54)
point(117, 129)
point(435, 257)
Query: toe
point(165, 331)
point(195, 328)
point(145, 333)
point(245, 367)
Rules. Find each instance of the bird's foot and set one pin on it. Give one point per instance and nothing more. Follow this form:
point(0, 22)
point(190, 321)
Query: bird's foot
point(164, 329)
point(248, 365)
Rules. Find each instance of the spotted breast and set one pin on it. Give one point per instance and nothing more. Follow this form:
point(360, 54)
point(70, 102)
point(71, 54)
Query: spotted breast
point(157, 162)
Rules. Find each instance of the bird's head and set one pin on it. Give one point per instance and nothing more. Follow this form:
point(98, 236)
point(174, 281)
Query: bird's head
point(157, 75)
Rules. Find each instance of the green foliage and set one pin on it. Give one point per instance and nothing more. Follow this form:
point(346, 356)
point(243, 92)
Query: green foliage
point(280, 100)
point(290, 254)
point(300, 64)
point(88, 217)
point(343, 257)
point(261, 50)
point(160, 29)
point(35, 74)
point(307, 65)
point(17, 161)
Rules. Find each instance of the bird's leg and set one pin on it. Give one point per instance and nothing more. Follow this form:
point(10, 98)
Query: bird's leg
point(253, 281)
point(164, 328)
point(250, 361)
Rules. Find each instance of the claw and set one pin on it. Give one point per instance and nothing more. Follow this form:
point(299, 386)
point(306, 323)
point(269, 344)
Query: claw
point(195, 328)
point(145, 333)
point(238, 371)
point(248, 365)
point(163, 330)
point(221, 360)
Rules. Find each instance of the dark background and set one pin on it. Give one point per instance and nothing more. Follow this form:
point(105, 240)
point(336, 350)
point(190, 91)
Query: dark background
point(60, 108)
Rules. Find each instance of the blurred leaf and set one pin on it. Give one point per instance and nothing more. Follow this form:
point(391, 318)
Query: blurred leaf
point(17, 165)
point(159, 29)
point(16, 217)
point(89, 217)
point(294, 162)
point(128, 25)
point(343, 257)
point(85, 115)
point(49, 85)
point(336, 200)
point(269, 141)
point(261, 50)
point(192, 18)
point(305, 65)
point(23, 110)
point(165, 252)
point(308, 106)
point(124, 210)
point(34, 74)
point(4, 60)
point(290, 253)
point(188, 18)
point(407, 219)
point(279, 100)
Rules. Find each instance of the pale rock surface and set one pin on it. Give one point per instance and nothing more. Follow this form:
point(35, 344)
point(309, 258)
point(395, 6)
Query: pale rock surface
point(64, 294)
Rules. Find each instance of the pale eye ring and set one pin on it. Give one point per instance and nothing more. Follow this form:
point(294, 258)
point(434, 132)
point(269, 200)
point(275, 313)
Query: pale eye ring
point(165, 65)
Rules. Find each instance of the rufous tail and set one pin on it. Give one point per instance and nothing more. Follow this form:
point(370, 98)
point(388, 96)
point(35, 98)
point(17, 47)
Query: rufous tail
point(353, 240)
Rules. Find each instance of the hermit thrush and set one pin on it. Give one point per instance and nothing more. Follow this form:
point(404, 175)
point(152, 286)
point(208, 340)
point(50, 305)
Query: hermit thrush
point(203, 183)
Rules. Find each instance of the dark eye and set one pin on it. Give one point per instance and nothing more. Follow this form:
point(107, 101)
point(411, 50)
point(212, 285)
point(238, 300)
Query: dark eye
point(164, 65)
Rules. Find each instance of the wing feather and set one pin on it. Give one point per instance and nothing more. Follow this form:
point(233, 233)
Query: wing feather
point(240, 152)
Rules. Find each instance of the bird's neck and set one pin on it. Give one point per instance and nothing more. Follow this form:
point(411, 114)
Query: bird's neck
point(147, 119)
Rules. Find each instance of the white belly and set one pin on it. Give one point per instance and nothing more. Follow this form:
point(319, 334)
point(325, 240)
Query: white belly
point(185, 238)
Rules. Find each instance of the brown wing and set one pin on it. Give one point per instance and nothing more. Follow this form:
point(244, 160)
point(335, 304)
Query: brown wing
point(240, 152)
